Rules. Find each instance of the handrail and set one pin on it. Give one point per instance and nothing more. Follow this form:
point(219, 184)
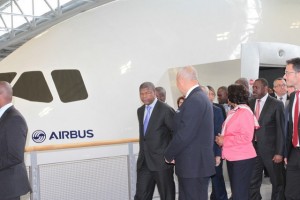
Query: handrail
point(78, 145)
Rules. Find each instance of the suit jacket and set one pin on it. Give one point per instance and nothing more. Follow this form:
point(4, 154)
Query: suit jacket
point(286, 125)
point(218, 121)
point(222, 109)
point(192, 144)
point(290, 131)
point(13, 175)
point(270, 135)
point(286, 102)
point(158, 135)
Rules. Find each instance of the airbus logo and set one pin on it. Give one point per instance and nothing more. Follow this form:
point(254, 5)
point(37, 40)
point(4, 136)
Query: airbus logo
point(38, 136)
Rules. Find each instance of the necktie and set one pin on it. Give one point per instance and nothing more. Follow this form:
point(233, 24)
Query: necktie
point(257, 109)
point(280, 98)
point(146, 121)
point(296, 117)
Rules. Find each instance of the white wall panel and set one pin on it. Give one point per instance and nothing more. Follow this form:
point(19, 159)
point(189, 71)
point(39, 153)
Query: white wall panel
point(121, 44)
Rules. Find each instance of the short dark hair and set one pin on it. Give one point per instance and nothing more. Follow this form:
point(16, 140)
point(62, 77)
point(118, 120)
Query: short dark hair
point(238, 94)
point(263, 81)
point(295, 62)
point(147, 85)
point(223, 88)
point(161, 91)
point(278, 79)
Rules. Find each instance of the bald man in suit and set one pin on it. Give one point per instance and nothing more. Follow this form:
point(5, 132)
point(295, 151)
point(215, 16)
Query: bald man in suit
point(13, 131)
point(191, 148)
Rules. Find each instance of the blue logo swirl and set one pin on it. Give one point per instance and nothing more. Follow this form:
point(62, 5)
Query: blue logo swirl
point(38, 136)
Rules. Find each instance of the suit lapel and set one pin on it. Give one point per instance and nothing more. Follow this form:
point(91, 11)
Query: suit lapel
point(5, 113)
point(252, 104)
point(191, 93)
point(265, 108)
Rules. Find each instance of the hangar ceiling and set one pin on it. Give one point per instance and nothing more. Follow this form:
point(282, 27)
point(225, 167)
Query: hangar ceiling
point(21, 20)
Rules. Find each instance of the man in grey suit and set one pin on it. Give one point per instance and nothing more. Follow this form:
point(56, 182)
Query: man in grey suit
point(268, 141)
point(156, 126)
point(191, 148)
point(13, 131)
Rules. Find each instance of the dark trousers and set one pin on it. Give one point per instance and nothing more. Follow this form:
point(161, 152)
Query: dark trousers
point(15, 198)
point(193, 188)
point(240, 175)
point(292, 189)
point(218, 185)
point(275, 170)
point(146, 181)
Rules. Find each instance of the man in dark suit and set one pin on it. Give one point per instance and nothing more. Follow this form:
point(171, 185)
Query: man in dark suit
point(192, 144)
point(156, 126)
point(268, 141)
point(292, 76)
point(211, 97)
point(218, 184)
point(280, 91)
point(222, 94)
point(13, 131)
point(161, 94)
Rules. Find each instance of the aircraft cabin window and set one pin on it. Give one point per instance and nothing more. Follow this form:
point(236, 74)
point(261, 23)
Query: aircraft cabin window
point(8, 77)
point(69, 85)
point(32, 86)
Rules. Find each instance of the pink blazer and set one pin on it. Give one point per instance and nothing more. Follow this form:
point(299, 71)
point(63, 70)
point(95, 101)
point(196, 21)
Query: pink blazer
point(238, 135)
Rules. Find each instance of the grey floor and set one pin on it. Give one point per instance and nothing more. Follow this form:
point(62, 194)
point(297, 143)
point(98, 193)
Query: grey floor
point(265, 189)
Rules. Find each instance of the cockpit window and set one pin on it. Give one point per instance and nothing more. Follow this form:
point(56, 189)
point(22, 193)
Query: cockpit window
point(32, 86)
point(8, 77)
point(69, 85)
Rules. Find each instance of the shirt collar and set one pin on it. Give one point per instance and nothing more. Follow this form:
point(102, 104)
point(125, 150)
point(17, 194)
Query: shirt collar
point(190, 90)
point(153, 103)
point(4, 108)
point(283, 96)
point(264, 98)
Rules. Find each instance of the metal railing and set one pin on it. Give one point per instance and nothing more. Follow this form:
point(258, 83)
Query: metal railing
point(36, 178)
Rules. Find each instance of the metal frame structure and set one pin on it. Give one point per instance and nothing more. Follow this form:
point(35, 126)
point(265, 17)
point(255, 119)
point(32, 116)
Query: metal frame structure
point(15, 36)
point(35, 176)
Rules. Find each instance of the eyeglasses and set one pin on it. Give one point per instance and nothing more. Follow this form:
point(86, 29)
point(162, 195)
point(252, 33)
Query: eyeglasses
point(287, 72)
point(280, 85)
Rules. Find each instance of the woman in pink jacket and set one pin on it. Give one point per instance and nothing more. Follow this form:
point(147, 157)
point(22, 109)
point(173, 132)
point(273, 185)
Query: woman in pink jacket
point(236, 141)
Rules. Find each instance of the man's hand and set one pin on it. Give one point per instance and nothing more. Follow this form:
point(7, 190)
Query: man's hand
point(218, 160)
point(285, 161)
point(219, 140)
point(277, 159)
point(172, 162)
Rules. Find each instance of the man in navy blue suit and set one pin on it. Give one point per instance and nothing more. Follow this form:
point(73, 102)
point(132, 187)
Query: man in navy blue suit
point(191, 147)
point(218, 184)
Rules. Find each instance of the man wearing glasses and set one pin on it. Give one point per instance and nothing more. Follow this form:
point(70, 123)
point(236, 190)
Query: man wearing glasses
point(292, 76)
point(280, 90)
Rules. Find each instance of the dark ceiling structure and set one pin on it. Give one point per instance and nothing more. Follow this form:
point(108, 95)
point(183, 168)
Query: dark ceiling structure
point(21, 20)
